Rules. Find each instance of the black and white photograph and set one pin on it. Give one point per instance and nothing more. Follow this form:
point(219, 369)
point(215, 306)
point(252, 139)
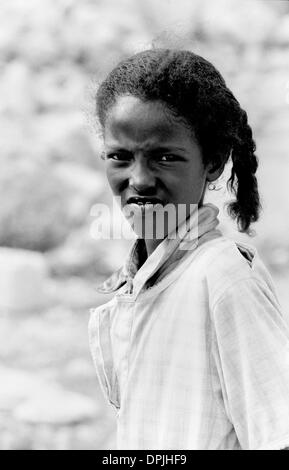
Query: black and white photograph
point(144, 227)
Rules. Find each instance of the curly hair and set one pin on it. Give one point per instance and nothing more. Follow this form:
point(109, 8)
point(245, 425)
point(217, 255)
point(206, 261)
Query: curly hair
point(194, 91)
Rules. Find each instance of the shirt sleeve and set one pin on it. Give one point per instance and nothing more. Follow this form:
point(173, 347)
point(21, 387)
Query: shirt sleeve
point(251, 352)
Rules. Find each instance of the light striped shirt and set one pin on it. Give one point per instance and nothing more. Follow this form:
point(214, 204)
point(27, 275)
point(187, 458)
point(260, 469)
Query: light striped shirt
point(198, 359)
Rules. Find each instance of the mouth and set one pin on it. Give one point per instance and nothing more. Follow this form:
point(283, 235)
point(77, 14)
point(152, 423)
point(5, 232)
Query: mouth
point(144, 201)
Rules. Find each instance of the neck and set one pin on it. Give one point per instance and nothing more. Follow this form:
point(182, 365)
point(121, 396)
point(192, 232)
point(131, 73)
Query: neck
point(151, 245)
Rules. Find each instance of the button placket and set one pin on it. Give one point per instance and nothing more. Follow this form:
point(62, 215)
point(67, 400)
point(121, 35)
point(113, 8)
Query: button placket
point(109, 376)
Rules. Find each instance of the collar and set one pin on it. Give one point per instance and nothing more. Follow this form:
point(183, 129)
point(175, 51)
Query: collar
point(139, 268)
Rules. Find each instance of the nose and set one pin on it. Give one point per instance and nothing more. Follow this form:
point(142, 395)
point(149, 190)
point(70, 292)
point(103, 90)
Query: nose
point(141, 177)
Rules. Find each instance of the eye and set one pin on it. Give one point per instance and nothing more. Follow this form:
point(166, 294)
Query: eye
point(167, 158)
point(118, 157)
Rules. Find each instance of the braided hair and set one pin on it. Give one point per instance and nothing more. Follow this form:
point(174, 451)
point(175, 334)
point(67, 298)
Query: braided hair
point(196, 93)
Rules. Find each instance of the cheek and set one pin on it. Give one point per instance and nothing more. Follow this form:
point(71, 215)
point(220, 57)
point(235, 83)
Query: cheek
point(114, 179)
point(191, 183)
point(189, 177)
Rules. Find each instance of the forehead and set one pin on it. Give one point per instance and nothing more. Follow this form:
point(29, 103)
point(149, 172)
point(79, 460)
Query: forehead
point(132, 120)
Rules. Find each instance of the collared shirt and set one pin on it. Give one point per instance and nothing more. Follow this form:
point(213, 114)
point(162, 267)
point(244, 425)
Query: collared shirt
point(198, 358)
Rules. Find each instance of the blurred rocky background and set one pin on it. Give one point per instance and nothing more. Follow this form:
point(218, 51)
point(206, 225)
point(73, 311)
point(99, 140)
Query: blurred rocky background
point(53, 54)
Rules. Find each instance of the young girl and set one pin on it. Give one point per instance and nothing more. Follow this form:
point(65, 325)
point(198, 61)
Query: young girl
point(192, 351)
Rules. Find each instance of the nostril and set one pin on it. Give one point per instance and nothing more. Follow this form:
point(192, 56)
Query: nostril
point(142, 183)
point(142, 179)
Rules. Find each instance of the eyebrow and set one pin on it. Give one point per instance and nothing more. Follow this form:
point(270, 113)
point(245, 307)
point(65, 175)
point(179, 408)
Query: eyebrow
point(161, 148)
point(167, 149)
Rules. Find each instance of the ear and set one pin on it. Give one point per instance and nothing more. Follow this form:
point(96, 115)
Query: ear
point(214, 171)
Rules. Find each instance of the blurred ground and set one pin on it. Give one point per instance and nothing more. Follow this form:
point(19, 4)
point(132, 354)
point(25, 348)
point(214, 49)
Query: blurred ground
point(44, 359)
point(52, 55)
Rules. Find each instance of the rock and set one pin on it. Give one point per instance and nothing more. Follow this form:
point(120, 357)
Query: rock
point(75, 293)
point(55, 406)
point(23, 276)
point(17, 386)
point(79, 145)
point(282, 33)
point(17, 87)
point(83, 180)
point(33, 219)
point(11, 441)
point(79, 369)
point(89, 437)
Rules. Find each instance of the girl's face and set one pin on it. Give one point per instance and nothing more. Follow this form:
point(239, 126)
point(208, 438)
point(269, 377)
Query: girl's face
point(150, 153)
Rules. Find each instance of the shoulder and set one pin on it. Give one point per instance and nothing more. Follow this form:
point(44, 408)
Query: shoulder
point(224, 263)
point(226, 257)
